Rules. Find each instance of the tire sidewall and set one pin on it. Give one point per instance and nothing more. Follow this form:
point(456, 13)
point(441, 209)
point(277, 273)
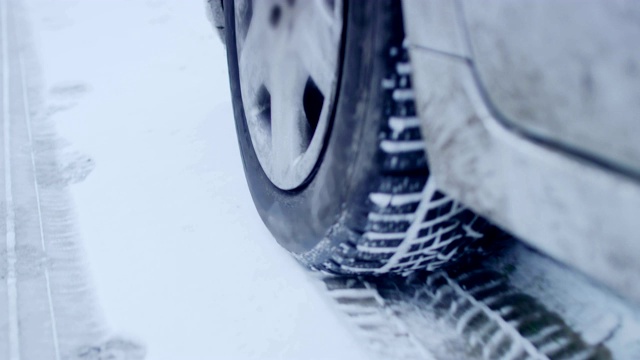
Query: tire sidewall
point(341, 181)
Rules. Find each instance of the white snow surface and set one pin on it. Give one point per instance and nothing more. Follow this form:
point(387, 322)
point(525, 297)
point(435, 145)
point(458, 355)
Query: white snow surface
point(180, 259)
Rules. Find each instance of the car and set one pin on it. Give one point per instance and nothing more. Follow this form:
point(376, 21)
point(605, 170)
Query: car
point(389, 136)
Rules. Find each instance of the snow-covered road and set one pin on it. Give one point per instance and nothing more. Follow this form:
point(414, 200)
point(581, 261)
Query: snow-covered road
point(133, 95)
point(128, 229)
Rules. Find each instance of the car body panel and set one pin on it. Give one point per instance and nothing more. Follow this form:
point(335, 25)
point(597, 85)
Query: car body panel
point(574, 209)
point(565, 72)
point(437, 25)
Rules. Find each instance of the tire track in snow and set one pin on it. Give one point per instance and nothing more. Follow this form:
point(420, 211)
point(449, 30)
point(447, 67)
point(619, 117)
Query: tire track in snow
point(36, 188)
point(513, 304)
point(48, 308)
point(12, 291)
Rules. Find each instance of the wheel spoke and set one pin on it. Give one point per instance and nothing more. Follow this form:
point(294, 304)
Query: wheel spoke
point(255, 74)
point(316, 31)
point(288, 125)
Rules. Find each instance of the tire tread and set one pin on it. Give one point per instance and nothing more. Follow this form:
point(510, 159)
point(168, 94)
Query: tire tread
point(410, 224)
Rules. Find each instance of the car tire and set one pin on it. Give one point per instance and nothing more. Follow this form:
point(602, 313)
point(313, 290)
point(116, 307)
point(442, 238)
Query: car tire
point(370, 205)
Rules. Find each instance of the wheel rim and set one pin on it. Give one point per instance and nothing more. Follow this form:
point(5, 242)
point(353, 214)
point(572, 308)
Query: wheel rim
point(288, 64)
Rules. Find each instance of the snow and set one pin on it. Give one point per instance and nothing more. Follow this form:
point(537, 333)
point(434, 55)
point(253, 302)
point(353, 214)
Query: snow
point(181, 261)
